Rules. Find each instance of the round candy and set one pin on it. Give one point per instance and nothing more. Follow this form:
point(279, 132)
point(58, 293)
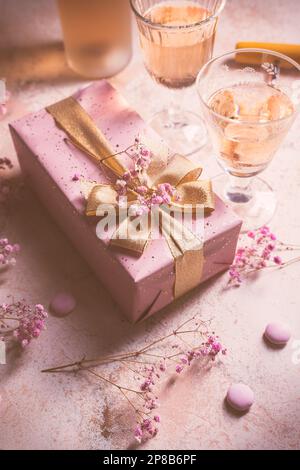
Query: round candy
point(62, 304)
point(277, 333)
point(240, 397)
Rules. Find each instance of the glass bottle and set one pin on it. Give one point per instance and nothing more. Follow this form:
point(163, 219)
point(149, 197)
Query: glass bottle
point(97, 35)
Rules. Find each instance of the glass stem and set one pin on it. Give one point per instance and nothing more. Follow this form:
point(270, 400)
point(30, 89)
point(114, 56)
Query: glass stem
point(239, 190)
point(175, 111)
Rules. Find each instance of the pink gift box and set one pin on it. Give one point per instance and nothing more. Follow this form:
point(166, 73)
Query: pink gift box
point(140, 285)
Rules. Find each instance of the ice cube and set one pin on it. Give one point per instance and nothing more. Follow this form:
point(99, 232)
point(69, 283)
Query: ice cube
point(279, 106)
point(224, 104)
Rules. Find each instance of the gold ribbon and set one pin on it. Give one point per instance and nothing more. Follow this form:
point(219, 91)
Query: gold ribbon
point(186, 248)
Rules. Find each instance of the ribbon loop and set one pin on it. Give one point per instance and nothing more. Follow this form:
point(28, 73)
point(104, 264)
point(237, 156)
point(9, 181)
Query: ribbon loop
point(178, 170)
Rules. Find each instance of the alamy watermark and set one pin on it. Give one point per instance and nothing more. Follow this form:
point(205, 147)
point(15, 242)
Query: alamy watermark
point(2, 91)
point(2, 353)
point(122, 222)
point(296, 353)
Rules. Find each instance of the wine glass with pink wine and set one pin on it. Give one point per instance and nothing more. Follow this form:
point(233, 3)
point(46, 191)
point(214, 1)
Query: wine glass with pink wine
point(177, 38)
point(249, 98)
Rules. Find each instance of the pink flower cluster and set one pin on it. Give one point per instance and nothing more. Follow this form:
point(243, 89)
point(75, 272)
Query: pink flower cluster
point(136, 180)
point(147, 427)
point(25, 322)
point(150, 368)
point(259, 254)
point(210, 348)
point(141, 157)
point(5, 164)
point(8, 252)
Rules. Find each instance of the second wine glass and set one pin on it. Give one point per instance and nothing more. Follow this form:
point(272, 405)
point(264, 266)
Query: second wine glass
point(177, 39)
point(250, 99)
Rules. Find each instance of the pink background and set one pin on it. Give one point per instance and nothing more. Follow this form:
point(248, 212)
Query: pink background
point(66, 412)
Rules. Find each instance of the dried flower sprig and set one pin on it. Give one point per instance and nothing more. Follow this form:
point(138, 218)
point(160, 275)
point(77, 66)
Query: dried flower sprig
point(21, 322)
point(5, 189)
point(5, 164)
point(8, 252)
point(172, 353)
point(136, 180)
point(260, 252)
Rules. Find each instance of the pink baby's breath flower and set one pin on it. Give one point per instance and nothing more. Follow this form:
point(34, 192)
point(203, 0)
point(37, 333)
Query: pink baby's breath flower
point(30, 320)
point(147, 199)
point(5, 164)
point(142, 190)
point(8, 252)
point(146, 385)
point(265, 230)
point(260, 254)
point(179, 368)
point(156, 200)
point(76, 177)
point(138, 434)
point(144, 152)
point(127, 176)
point(251, 235)
point(216, 346)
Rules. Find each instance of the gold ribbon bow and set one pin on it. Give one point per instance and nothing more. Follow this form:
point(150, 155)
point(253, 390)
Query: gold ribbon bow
point(181, 173)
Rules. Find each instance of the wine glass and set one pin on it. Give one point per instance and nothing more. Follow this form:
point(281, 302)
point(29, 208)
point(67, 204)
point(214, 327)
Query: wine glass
point(249, 98)
point(177, 39)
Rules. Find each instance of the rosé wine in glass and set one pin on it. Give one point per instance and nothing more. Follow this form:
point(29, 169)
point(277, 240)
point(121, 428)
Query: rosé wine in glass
point(249, 109)
point(177, 38)
point(245, 148)
point(172, 58)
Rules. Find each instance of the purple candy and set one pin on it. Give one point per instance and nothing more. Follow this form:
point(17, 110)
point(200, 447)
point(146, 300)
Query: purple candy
point(62, 304)
point(240, 397)
point(277, 333)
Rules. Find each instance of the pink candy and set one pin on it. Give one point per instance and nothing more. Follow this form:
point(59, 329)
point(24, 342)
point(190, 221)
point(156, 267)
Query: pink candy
point(62, 304)
point(277, 334)
point(240, 397)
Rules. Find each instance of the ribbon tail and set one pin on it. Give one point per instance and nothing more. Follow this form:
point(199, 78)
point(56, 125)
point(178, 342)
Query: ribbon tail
point(132, 235)
point(84, 134)
point(187, 251)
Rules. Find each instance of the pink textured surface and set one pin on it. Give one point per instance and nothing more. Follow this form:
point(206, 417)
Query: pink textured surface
point(140, 285)
point(46, 412)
